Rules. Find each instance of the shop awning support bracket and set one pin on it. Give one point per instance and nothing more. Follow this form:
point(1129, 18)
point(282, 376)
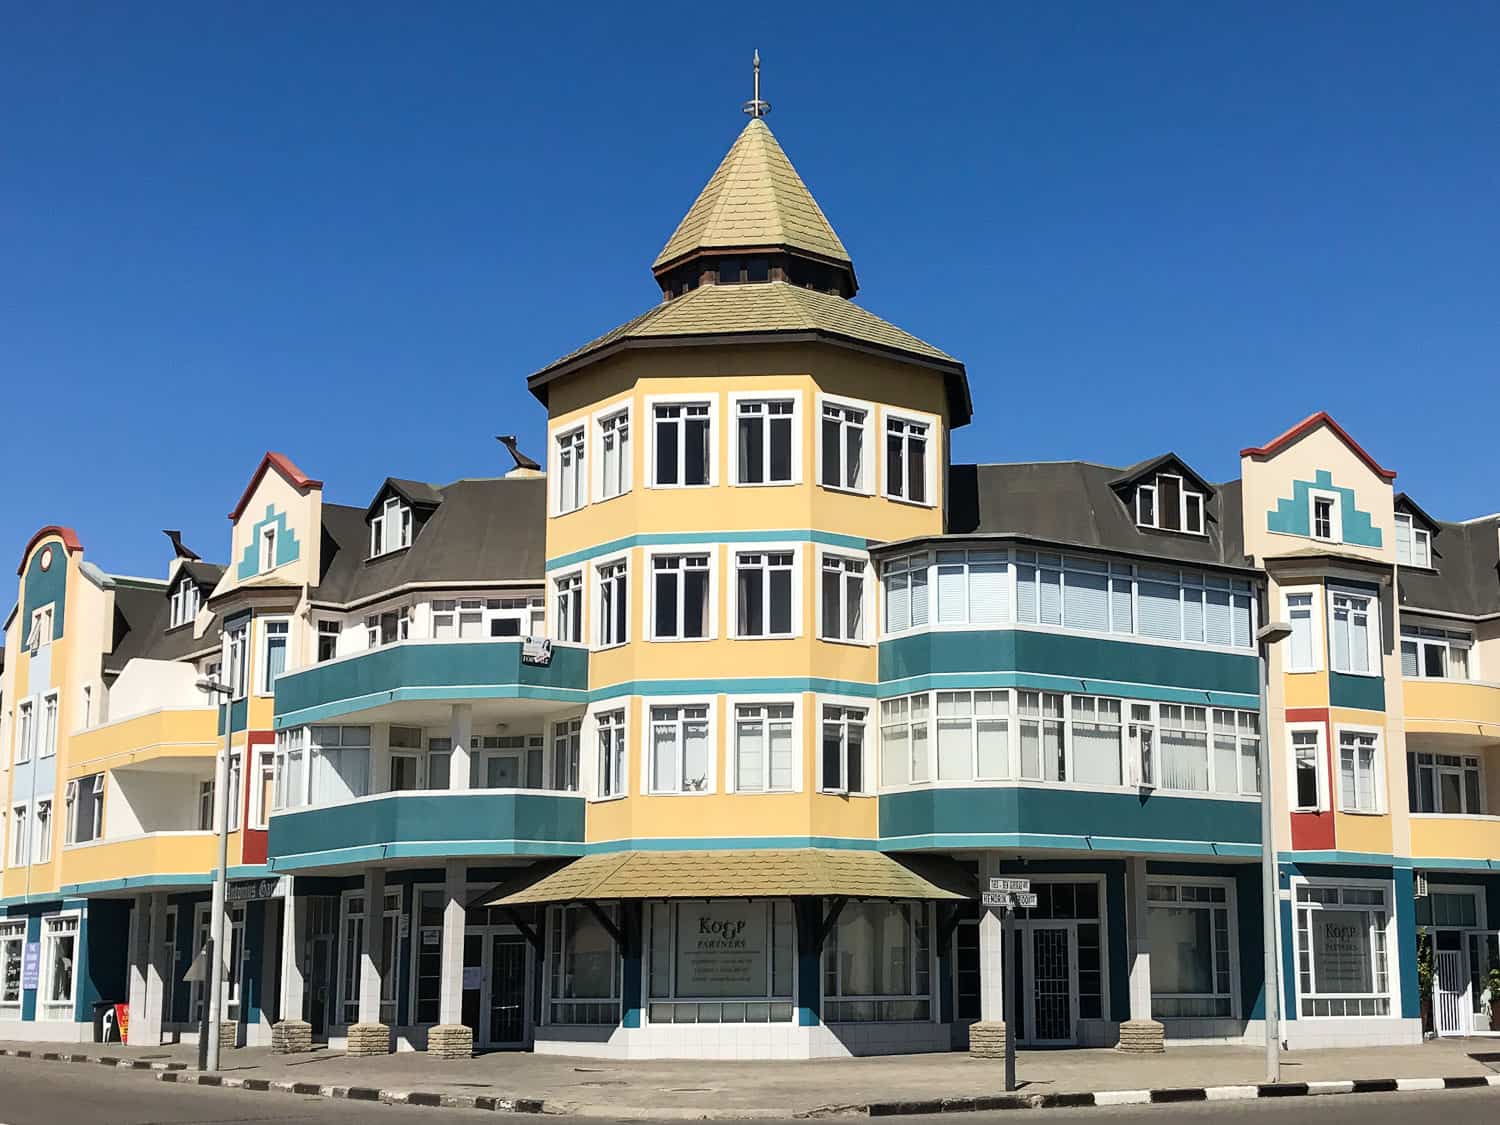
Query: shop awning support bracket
point(825, 927)
point(948, 923)
point(610, 928)
point(533, 938)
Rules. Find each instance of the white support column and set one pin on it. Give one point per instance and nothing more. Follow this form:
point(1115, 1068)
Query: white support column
point(157, 974)
point(140, 957)
point(461, 730)
point(452, 1038)
point(292, 1034)
point(1140, 1032)
point(987, 1037)
point(369, 1036)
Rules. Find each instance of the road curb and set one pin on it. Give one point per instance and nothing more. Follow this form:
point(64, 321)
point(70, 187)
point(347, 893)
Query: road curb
point(177, 1073)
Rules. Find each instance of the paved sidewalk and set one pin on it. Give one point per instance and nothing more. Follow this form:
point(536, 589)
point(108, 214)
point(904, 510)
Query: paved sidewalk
point(722, 1089)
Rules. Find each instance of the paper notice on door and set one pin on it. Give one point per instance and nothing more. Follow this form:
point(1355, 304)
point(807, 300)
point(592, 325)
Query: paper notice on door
point(473, 976)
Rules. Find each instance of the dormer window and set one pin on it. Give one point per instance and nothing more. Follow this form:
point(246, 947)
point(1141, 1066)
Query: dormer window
point(391, 529)
point(186, 600)
point(1413, 543)
point(1167, 505)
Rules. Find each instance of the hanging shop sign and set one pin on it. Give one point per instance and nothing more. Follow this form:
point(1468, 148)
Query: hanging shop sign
point(31, 965)
point(251, 890)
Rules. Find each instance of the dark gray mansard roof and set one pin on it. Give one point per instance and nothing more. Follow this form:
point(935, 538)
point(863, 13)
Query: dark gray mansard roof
point(481, 531)
point(142, 611)
point(1078, 504)
point(1467, 578)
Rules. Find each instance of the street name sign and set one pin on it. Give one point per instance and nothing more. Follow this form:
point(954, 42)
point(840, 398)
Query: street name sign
point(1010, 885)
point(996, 898)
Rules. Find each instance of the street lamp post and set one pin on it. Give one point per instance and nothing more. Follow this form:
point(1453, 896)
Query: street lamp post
point(1269, 634)
point(208, 1050)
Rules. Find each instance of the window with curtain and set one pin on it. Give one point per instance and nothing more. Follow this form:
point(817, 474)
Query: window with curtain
point(1413, 544)
point(1428, 652)
point(572, 479)
point(843, 439)
point(1184, 747)
point(1040, 719)
point(906, 459)
point(1352, 633)
point(1359, 782)
point(1097, 743)
point(273, 656)
point(765, 431)
point(340, 763)
point(567, 624)
point(1191, 969)
point(680, 751)
point(614, 455)
point(614, 604)
point(763, 756)
point(583, 967)
point(684, 449)
point(842, 758)
point(877, 964)
point(680, 596)
point(1301, 654)
point(763, 593)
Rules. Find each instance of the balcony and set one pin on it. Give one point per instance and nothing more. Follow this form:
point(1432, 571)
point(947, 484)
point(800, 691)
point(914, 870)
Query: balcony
point(428, 824)
point(368, 685)
point(154, 736)
point(153, 859)
point(1464, 711)
point(1474, 841)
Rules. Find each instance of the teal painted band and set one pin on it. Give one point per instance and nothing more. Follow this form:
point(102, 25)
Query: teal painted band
point(371, 853)
point(746, 685)
point(1067, 843)
point(1380, 859)
point(946, 681)
point(672, 538)
point(324, 711)
point(671, 844)
point(137, 883)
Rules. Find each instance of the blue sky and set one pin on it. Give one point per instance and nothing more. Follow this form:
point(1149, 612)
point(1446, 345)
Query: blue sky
point(348, 232)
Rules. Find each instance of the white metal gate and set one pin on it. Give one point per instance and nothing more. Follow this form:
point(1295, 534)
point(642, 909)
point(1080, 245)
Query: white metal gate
point(1452, 1009)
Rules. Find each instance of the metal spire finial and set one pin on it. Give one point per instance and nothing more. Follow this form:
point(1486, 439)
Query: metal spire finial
point(755, 107)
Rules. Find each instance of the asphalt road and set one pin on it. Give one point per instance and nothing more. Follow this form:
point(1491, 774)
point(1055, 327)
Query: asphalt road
point(43, 1093)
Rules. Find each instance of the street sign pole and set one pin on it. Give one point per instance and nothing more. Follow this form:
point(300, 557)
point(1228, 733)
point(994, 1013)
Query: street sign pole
point(1008, 998)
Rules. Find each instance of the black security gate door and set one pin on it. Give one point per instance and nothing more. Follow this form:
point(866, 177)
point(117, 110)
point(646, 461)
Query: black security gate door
point(507, 991)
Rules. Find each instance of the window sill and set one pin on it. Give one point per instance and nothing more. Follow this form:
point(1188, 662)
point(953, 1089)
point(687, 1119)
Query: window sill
point(681, 640)
point(682, 487)
point(847, 642)
point(845, 491)
point(1301, 671)
point(558, 514)
point(611, 647)
point(1361, 675)
point(909, 503)
point(680, 793)
point(612, 496)
point(1364, 812)
point(766, 483)
point(761, 792)
point(764, 636)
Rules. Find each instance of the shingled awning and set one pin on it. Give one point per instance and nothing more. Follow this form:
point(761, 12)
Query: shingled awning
point(756, 873)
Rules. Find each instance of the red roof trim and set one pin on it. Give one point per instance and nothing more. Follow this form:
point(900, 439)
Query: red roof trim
point(66, 534)
point(1321, 418)
point(283, 465)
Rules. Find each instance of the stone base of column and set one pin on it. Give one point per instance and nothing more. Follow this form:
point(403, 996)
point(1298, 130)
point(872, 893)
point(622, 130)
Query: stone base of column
point(291, 1037)
point(987, 1039)
point(229, 1036)
point(1145, 1037)
point(368, 1039)
point(451, 1041)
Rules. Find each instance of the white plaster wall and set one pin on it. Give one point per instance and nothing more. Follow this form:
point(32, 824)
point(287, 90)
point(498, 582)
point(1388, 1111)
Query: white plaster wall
point(152, 801)
point(152, 685)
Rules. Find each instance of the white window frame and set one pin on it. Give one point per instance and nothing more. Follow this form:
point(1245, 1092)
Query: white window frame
point(1320, 748)
point(1414, 536)
point(610, 724)
point(1183, 493)
point(1424, 636)
point(1315, 625)
point(570, 453)
point(765, 549)
point(605, 602)
point(12, 933)
point(391, 528)
point(603, 422)
point(1392, 993)
point(263, 684)
point(327, 628)
point(869, 455)
point(739, 398)
point(709, 551)
point(373, 625)
point(41, 850)
point(930, 482)
point(50, 717)
point(834, 560)
point(1372, 613)
point(1336, 516)
point(185, 602)
point(732, 741)
point(563, 610)
point(27, 722)
point(869, 783)
point(237, 658)
point(39, 635)
point(649, 706)
point(711, 401)
point(1231, 906)
point(265, 542)
point(58, 1009)
point(1467, 762)
point(19, 845)
point(1348, 802)
point(265, 770)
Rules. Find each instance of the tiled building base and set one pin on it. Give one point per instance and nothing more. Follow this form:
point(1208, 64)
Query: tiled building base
point(368, 1039)
point(987, 1039)
point(291, 1037)
point(451, 1041)
point(1145, 1037)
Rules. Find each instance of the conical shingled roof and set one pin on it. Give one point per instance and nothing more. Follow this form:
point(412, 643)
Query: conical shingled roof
point(754, 199)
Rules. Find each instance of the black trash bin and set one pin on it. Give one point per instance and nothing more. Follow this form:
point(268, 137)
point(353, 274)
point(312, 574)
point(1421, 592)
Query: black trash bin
point(106, 1030)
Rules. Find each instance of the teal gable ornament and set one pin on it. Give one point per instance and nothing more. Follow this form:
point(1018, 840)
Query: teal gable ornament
point(288, 547)
point(1293, 516)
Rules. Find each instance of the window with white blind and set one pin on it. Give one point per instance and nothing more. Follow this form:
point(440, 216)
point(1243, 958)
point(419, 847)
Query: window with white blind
point(682, 437)
point(1353, 633)
point(455, 619)
point(841, 614)
point(972, 587)
point(973, 735)
point(765, 436)
point(275, 632)
point(614, 603)
point(904, 744)
point(614, 455)
point(1359, 771)
point(904, 581)
point(572, 478)
point(1041, 725)
point(1302, 651)
point(763, 748)
point(763, 593)
point(841, 439)
point(1432, 653)
point(1098, 746)
point(1413, 544)
point(680, 753)
point(680, 597)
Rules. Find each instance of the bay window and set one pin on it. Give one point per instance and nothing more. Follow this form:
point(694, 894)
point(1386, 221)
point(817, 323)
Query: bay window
point(1359, 778)
point(906, 459)
point(765, 434)
point(681, 754)
point(614, 455)
point(458, 619)
point(275, 632)
point(972, 588)
point(842, 437)
point(1341, 936)
point(680, 593)
point(720, 962)
point(764, 593)
point(614, 603)
point(238, 639)
point(340, 763)
point(684, 450)
point(877, 964)
point(842, 766)
point(1302, 650)
point(1192, 950)
point(572, 480)
point(973, 735)
point(1353, 633)
point(1451, 784)
point(328, 640)
point(611, 765)
point(291, 768)
point(583, 979)
point(904, 745)
point(764, 759)
point(1432, 653)
point(842, 602)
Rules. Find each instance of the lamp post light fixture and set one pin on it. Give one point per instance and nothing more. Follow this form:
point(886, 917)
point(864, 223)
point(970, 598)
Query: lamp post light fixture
point(1271, 633)
point(208, 1034)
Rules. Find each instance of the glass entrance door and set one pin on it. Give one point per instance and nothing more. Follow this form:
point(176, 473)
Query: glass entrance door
point(1051, 997)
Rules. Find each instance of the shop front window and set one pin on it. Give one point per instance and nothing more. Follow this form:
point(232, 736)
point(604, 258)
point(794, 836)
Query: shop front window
point(59, 959)
point(1191, 969)
point(12, 944)
point(721, 962)
point(584, 967)
point(877, 964)
point(1342, 968)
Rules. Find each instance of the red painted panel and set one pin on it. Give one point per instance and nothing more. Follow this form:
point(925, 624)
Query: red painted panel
point(1312, 831)
point(254, 842)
